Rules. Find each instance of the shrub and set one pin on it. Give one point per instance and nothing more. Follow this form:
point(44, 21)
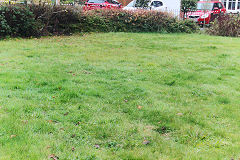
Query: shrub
point(56, 19)
point(188, 5)
point(142, 3)
point(17, 21)
point(38, 20)
point(5, 29)
point(225, 25)
point(135, 21)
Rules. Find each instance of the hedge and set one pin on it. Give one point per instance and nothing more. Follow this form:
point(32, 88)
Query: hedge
point(225, 25)
point(41, 20)
point(17, 21)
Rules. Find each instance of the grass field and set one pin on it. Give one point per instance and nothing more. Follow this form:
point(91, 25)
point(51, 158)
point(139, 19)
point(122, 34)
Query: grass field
point(120, 96)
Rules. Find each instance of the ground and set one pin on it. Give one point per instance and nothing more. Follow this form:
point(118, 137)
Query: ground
point(120, 96)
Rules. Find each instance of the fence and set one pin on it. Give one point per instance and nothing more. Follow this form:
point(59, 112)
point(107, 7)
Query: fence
point(203, 17)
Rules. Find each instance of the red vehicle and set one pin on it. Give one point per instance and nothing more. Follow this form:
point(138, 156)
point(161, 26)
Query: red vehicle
point(206, 12)
point(102, 4)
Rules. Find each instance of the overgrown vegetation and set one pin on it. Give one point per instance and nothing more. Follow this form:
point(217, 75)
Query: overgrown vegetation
point(131, 21)
point(187, 6)
point(120, 96)
point(142, 3)
point(226, 25)
point(38, 20)
point(17, 21)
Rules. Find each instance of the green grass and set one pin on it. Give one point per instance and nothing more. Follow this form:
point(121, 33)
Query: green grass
point(105, 94)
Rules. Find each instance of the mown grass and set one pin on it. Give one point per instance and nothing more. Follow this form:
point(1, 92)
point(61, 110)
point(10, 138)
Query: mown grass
point(120, 96)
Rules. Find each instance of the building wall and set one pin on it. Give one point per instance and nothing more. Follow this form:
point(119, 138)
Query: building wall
point(172, 4)
point(232, 5)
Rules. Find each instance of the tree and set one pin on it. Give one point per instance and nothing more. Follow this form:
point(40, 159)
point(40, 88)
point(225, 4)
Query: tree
point(142, 3)
point(188, 5)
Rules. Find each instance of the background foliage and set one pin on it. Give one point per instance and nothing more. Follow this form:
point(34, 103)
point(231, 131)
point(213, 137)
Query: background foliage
point(17, 21)
point(132, 21)
point(188, 5)
point(226, 25)
point(142, 3)
point(38, 20)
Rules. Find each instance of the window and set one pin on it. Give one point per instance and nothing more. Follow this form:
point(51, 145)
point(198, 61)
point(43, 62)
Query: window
point(96, 1)
point(220, 5)
point(231, 4)
point(215, 5)
point(204, 6)
point(157, 4)
point(238, 7)
point(112, 1)
point(225, 3)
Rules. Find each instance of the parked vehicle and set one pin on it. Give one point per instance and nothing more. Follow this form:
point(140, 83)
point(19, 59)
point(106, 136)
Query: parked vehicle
point(206, 12)
point(153, 5)
point(102, 4)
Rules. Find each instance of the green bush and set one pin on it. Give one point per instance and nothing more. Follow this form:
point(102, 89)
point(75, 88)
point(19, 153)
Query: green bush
point(142, 3)
point(56, 20)
point(188, 5)
point(38, 20)
point(225, 25)
point(17, 21)
point(5, 29)
point(134, 21)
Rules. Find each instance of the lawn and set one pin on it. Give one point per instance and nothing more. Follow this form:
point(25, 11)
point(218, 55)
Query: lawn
point(120, 96)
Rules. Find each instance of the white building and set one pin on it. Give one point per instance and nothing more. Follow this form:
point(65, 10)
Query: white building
point(172, 5)
point(232, 6)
